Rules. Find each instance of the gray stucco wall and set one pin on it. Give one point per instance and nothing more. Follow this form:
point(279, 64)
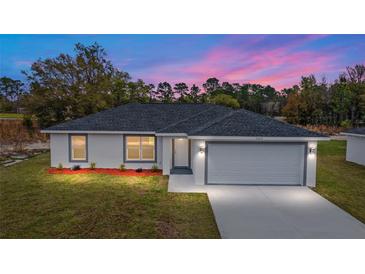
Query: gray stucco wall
point(198, 163)
point(106, 150)
point(355, 151)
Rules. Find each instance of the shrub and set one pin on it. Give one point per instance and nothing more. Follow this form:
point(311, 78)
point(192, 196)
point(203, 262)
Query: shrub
point(324, 129)
point(16, 135)
point(154, 167)
point(92, 165)
point(122, 167)
point(75, 167)
point(28, 123)
point(139, 170)
point(60, 166)
point(226, 100)
point(345, 124)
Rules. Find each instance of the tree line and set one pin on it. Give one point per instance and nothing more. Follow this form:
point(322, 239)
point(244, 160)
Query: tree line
point(68, 87)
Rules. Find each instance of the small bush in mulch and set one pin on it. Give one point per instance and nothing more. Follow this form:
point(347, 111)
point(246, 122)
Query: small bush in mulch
point(154, 167)
point(108, 171)
point(75, 167)
point(139, 170)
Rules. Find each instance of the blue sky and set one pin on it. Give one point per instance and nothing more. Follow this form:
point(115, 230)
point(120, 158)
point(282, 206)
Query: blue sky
point(278, 60)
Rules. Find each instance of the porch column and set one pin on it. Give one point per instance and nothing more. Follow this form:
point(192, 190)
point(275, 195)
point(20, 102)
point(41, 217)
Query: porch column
point(198, 161)
point(311, 164)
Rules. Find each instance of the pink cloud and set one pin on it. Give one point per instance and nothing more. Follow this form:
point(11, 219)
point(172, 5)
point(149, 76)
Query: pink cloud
point(280, 67)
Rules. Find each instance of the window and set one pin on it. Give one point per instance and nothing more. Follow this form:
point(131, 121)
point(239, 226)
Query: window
point(78, 147)
point(140, 148)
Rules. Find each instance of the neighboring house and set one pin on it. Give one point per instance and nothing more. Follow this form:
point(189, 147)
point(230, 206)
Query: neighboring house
point(216, 144)
point(355, 150)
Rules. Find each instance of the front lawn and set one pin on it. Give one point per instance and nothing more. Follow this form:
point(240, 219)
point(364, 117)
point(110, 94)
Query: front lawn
point(34, 204)
point(339, 181)
point(11, 115)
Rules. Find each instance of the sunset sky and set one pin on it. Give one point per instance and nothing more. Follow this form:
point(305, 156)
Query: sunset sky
point(278, 60)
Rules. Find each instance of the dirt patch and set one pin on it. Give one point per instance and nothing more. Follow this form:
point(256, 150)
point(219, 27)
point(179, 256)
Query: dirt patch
point(167, 229)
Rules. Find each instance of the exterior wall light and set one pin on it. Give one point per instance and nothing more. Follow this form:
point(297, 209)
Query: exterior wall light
point(201, 149)
point(312, 150)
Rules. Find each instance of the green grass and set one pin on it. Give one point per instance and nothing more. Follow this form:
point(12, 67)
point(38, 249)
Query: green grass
point(34, 204)
point(339, 181)
point(11, 115)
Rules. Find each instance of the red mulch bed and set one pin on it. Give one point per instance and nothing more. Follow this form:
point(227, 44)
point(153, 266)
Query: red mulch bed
point(109, 171)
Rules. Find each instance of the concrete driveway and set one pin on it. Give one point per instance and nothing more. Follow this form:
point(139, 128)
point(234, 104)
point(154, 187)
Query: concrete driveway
point(279, 212)
point(273, 212)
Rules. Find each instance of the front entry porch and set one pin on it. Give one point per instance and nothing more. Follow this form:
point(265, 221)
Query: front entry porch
point(181, 156)
point(181, 170)
point(184, 183)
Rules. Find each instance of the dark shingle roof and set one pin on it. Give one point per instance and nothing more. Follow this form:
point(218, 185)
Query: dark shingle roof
point(192, 123)
point(359, 130)
point(246, 123)
point(192, 119)
point(134, 117)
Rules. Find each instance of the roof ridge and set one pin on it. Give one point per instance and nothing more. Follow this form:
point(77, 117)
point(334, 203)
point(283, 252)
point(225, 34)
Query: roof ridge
point(213, 122)
point(186, 119)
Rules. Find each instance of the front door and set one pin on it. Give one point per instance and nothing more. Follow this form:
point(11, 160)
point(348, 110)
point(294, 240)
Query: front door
point(181, 152)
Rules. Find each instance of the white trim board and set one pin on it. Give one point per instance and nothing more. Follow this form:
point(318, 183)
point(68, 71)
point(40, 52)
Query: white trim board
point(352, 134)
point(172, 134)
point(96, 132)
point(259, 138)
point(208, 138)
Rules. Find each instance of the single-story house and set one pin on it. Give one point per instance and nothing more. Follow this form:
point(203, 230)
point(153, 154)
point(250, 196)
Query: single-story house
point(216, 144)
point(355, 150)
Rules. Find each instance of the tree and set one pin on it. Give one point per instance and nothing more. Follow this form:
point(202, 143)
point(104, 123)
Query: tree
point(11, 92)
point(356, 74)
point(211, 85)
point(151, 93)
point(292, 108)
point(312, 100)
point(181, 90)
point(228, 89)
point(225, 100)
point(287, 91)
point(138, 92)
point(194, 94)
point(69, 87)
point(340, 100)
point(355, 79)
point(164, 93)
point(5, 104)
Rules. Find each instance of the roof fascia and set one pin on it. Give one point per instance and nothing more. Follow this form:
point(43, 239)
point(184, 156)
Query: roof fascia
point(96, 132)
point(353, 134)
point(259, 138)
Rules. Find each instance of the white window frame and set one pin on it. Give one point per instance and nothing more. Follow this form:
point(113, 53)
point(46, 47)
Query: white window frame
point(140, 160)
point(71, 159)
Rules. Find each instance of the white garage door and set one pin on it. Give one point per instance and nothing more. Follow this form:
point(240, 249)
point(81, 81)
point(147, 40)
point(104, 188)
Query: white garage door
point(257, 164)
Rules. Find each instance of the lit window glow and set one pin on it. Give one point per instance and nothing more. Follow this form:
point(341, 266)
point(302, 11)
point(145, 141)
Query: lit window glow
point(78, 148)
point(140, 148)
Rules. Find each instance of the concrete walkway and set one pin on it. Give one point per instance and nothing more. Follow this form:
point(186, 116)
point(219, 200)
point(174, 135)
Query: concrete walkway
point(185, 184)
point(273, 212)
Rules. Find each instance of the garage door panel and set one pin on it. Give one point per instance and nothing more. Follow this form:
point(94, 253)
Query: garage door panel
point(255, 163)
